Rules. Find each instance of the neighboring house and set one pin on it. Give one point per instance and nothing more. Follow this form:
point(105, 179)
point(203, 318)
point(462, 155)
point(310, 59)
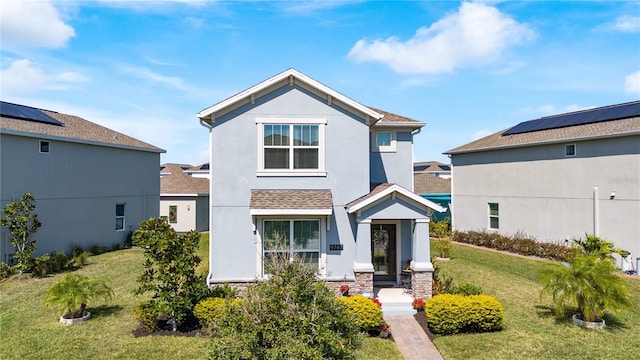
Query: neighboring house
point(436, 189)
point(293, 158)
point(557, 178)
point(184, 200)
point(434, 168)
point(92, 185)
point(199, 171)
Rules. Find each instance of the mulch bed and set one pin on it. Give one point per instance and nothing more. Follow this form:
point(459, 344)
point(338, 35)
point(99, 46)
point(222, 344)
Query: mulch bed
point(421, 318)
point(190, 327)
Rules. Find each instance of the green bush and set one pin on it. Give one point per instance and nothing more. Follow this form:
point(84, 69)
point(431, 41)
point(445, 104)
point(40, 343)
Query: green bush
point(367, 314)
point(224, 291)
point(451, 314)
point(146, 315)
point(439, 229)
point(466, 290)
point(7, 270)
point(208, 310)
point(40, 265)
point(442, 247)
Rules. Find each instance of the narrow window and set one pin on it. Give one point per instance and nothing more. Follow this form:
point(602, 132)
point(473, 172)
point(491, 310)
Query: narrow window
point(383, 141)
point(119, 217)
point(173, 214)
point(494, 215)
point(44, 147)
point(570, 150)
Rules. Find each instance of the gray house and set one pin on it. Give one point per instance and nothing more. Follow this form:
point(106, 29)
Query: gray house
point(184, 199)
point(92, 185)
point(556, 178)
point(293, 159)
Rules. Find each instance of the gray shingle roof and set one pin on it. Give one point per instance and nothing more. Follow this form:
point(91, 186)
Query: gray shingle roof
point(377, 189)
point(425, 183)
point(291, 199)
point(177, 182)
point(621, 127)
point(74, 129)
point(395, 118)
point(430, 166)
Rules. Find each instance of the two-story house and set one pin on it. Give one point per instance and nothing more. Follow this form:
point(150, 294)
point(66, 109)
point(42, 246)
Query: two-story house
point(293, 159)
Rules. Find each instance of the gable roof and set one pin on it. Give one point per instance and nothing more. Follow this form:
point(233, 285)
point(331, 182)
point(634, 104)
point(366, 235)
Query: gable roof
point(583, 131)
point(425, 183)
point(176, 182)
point(394, 120)
point(291, 202)
point(381, 191)
point(71, 129)
point(290, 76)
point(430, 166)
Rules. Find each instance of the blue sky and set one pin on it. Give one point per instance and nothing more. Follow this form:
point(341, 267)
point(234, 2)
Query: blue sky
point(467, 69)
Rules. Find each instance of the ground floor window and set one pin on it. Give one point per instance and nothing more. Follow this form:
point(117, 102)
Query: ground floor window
point(119, 216)
point(494, 216)
point(292, 238)
point(173, 214)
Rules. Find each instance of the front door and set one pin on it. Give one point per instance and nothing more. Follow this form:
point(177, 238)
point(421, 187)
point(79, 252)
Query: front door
point(383, 251)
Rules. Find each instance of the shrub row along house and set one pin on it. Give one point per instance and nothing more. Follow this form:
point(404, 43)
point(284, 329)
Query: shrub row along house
point(92, 185)
point(556, 178)
point(297, 167)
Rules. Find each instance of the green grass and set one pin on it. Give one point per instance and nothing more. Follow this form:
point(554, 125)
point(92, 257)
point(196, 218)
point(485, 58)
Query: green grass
point(30, 330)
point(530, 331)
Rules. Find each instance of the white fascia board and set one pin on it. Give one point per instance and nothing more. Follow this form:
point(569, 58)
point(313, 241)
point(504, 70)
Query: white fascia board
point(400, 190)
point(183, 195)
point(398, 124)
point(278, 78)
point(270, 212)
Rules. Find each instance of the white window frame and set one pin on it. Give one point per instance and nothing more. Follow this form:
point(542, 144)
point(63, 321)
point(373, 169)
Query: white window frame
point(121, 216)
point(321, 251)
point(320, 171)
point(497, 217)
point(383, 148)
point(566, 150)
point(40, 143)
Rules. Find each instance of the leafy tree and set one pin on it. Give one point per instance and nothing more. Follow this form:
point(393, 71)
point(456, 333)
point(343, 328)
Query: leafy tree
point(72, 293)
point(589, 284)
point(169, 269)
point(22, 223)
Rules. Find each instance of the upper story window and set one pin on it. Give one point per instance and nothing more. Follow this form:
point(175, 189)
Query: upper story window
point(570, 150)
point(291, 147)
point(384, 141)
point(44, 147)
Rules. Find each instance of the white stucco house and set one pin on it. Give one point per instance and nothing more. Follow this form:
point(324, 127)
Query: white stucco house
point(334, 177)
point(184, 199)
point(92, 185)
point(557, 177)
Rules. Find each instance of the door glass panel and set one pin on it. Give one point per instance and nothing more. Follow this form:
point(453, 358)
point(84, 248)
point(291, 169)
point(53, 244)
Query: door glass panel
point(381, 265)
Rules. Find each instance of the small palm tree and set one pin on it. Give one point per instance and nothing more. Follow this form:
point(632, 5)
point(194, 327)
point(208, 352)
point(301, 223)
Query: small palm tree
point(589, 284)
point(71, 294)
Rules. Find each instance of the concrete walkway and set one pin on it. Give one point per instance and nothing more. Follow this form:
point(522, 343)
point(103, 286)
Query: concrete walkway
point(409, 336)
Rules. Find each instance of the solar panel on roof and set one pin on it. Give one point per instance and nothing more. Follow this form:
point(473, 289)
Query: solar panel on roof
point(27, 113)
point(607, 113)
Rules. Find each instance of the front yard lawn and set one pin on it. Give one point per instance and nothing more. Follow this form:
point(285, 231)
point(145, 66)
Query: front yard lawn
point(530, 330)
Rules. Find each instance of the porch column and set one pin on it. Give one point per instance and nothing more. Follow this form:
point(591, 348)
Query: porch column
point(421, 266)
point(363, 267)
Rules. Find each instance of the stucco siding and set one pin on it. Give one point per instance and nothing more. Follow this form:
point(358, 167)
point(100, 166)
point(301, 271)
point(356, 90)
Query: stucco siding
point(550, 196)
point(396, 166)
point(77, 187)
point(192, 212)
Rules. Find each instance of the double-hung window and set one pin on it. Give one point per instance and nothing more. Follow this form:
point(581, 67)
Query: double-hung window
point(291, 147)
point(119, 217)
point(494, 216)
point(291, 239)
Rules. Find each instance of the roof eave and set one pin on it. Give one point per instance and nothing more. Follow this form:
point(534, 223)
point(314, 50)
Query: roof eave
point(403, 124)
point(270, 212)
point(395, 188)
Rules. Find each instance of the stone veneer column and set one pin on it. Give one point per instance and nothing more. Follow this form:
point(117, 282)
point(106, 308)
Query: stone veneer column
point(363, 267)
point(421, 266)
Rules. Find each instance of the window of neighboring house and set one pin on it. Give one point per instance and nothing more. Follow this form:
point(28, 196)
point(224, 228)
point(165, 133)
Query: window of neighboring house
point(44, 147)
point(291, 147)
point(173, 214)
point(494, 215)
point(119, 216)
point(384, 141)
point(570, 150)
point(291, 238)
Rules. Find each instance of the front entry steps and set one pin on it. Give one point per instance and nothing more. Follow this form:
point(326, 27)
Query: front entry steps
point(395, 301)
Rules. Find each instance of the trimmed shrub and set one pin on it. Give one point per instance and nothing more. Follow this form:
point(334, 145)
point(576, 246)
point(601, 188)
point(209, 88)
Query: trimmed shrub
point(439, 229)
point(367, 313)
point(442, 247)
point(208, 310)
point(451, 314)
point(147, 315)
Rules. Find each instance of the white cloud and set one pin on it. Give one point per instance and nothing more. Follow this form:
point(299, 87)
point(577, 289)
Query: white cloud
point(625, 23)
point(632, 82)
point(476, 34)
point(32, 24)
point(146, 74)
point(23, 76)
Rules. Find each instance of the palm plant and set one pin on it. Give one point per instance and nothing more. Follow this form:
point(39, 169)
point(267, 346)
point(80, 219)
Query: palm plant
point(589, 284)
point(71, 294)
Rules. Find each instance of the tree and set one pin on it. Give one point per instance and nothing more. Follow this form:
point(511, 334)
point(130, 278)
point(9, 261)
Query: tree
point(169, 269)
point(71, 294)
point(22, 223)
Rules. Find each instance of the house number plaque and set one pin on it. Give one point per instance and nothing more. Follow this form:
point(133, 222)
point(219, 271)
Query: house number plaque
point(336, 247)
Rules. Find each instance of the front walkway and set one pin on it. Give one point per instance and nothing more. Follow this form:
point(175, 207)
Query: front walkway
point(412, 342)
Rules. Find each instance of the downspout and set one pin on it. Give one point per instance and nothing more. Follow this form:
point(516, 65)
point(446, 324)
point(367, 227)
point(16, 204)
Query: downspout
point(209, 127)
point(595, 211)
point(413, 159)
